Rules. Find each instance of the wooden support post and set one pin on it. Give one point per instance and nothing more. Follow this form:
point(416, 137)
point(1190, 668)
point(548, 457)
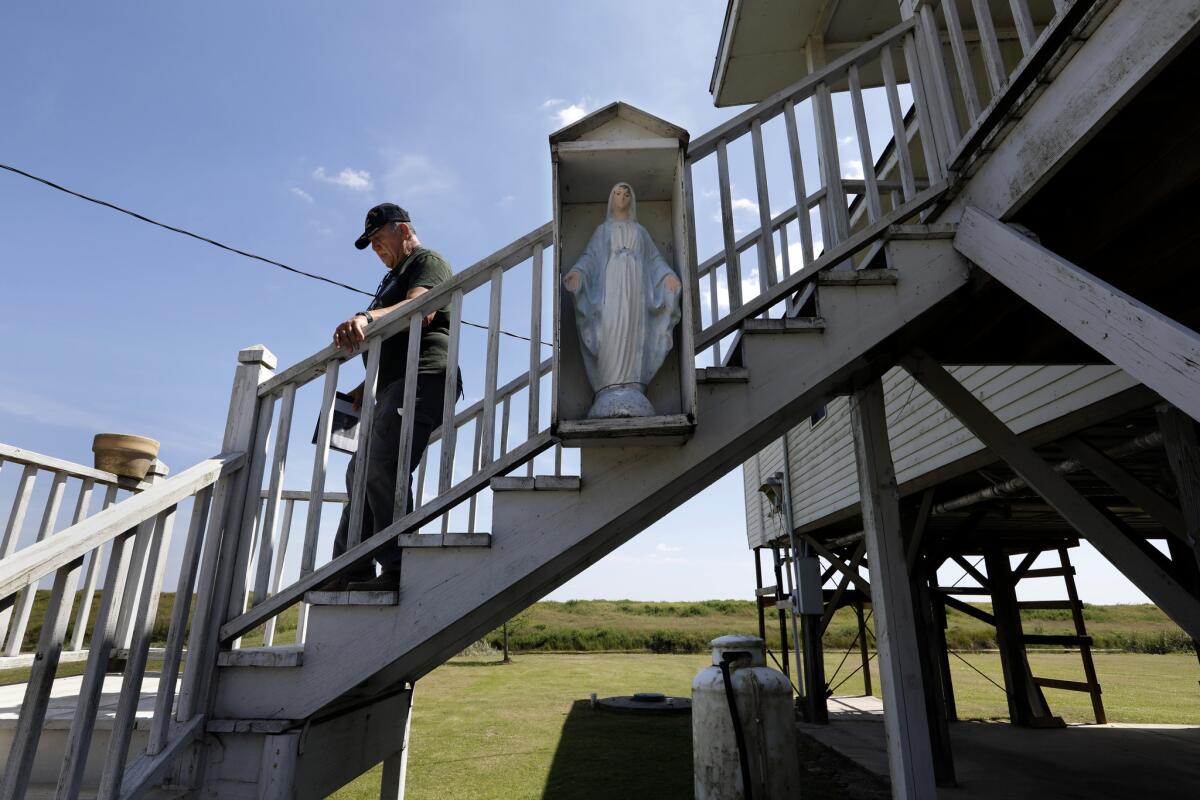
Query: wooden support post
point(783, 637)
point(935, 706)
point(1026, 703)
point(395, 766)
point(1183, 454)
point(758, 598)
point(863, 649)
point(941, 649)
point(910, 754)
point(1128, 556)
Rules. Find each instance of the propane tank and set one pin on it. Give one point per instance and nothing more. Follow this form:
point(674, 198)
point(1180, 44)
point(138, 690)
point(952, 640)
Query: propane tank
point(763, 699)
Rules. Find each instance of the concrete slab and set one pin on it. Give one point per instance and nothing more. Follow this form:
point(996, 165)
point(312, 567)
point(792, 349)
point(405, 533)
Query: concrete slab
point(998, 760)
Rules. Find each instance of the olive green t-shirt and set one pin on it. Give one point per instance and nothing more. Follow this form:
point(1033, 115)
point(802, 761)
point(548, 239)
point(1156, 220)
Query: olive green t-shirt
point(427, 269)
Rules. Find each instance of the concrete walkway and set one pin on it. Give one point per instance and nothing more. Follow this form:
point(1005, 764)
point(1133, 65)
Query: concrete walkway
point(997, 760)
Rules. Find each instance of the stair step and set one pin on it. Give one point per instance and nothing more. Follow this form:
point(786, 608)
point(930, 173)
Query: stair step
point(938, 230)
point(448, 539)
point(1047, 605)
point(1059, 639)
point(291, 655)
point(538, 483)
point(268, 726)
point(348, 598)
point(784, 325)
point(972, 590)
point(1058, 683)
point(722, 375)
point(858, 277)
point(766, 591)
point(664, 429)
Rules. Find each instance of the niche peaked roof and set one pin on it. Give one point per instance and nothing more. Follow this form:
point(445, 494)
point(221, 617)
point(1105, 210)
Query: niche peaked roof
point(618, 120)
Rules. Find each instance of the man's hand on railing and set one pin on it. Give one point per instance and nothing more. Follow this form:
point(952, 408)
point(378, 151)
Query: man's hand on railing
point(356, 396)
point(350, 333)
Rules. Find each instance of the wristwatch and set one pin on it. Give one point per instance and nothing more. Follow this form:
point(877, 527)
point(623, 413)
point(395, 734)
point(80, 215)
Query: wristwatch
point(366, 315)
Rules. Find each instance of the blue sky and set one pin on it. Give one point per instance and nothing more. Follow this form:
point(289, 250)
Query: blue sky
point(273, 127)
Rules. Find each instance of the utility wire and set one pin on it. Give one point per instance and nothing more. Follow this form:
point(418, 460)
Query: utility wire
point(215, 243)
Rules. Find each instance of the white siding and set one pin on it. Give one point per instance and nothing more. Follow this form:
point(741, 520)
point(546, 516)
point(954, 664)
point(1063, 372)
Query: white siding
point(924, 436)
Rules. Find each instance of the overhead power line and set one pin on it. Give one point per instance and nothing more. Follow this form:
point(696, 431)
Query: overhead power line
point(215, 243)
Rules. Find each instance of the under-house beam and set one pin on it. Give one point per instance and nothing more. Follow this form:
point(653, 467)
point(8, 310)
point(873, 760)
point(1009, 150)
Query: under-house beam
point(906, 723)
point(1146, 573)
point(1151, 347)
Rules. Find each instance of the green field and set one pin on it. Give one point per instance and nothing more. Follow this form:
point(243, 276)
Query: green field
point(525, 730)
point(636, 626)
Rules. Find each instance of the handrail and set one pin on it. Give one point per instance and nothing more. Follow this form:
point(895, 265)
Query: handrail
point(706, 144)
point(19, 455)
point(470, 278)
point(36, 561)
point(369, 547)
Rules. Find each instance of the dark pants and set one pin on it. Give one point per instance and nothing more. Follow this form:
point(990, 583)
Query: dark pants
point(382, 460)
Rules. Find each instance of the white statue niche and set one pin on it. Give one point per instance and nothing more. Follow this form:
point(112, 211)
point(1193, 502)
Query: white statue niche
point(626, 308)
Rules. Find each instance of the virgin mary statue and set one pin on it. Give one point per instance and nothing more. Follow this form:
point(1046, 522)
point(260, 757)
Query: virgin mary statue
point(626, 308)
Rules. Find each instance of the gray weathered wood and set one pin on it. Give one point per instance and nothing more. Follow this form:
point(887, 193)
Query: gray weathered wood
point(180, 612)
point(832, 255)
point(135, 670)
point(899, 129)
point(468, 279)
point(40, 682)
point(1156, 350)
point(366, 419)
point(408, 422)
point(874, 208)
point(1024, 24)
point(379, 597)
point(535, 346)
point(706, 144)
point(1099, 530)
point(289, 655)
point(251, 507)
point(962, 59)
point(921, 104)
point(449, 428)
point(102, 644)
point(798, 182)
point(767, 275)
point(267, 541)
point(24, 604)
point(29, 458)
point(993, 62)
point(1183, 456)
point(1138, 493)
point(910, 753)
point(395, 766)
point(939, 89)
point(385, 538)
point(733, 266)
point(285, 532)
point(149, 770)
point(316, 489)
point(831, 165)
point(92, 575)
point(488, 428)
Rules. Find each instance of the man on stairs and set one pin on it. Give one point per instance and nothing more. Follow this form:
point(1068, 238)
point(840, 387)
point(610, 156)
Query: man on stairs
point(412, 271)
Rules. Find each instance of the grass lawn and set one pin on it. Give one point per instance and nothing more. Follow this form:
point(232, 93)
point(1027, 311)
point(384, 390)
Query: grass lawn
point(525, 730)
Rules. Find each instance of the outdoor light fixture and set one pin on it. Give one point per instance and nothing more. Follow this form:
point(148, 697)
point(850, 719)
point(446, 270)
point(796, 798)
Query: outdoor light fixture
point(773, 489)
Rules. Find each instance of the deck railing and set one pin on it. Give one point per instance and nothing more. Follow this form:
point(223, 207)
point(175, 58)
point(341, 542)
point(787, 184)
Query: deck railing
point(67, 480)
point(136, 533)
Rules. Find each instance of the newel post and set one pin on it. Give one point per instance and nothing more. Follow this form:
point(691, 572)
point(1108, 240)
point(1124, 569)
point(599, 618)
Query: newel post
point(223, 541)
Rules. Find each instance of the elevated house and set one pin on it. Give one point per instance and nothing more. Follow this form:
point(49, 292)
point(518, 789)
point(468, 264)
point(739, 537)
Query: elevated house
point(1002, 288)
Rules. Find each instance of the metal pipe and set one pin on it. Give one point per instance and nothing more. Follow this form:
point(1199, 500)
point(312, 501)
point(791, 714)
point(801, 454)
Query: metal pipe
point(1140, 444)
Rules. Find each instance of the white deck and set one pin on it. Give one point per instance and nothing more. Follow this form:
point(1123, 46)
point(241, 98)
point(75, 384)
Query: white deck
point(65, 695)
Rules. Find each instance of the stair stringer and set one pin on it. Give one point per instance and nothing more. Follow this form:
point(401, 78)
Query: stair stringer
point(542, 539)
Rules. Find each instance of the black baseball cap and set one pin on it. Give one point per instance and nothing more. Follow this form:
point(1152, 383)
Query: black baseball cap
point(377, 217)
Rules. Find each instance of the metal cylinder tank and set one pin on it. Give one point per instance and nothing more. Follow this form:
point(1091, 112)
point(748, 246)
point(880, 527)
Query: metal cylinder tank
point(763, 698)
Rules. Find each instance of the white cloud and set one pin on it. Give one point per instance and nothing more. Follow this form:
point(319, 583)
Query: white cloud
point(853, 169)
point(410, 175)
point(666, 548)
point(744, 204)
point(564, 112)
point(845, 141)
point(507, 200)
point(357, 179)
point(49, 411)
point(303, 195)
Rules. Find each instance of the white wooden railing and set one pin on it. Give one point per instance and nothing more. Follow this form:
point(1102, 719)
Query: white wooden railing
point(66, 479)
point(499, 445)
point(136, 533)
